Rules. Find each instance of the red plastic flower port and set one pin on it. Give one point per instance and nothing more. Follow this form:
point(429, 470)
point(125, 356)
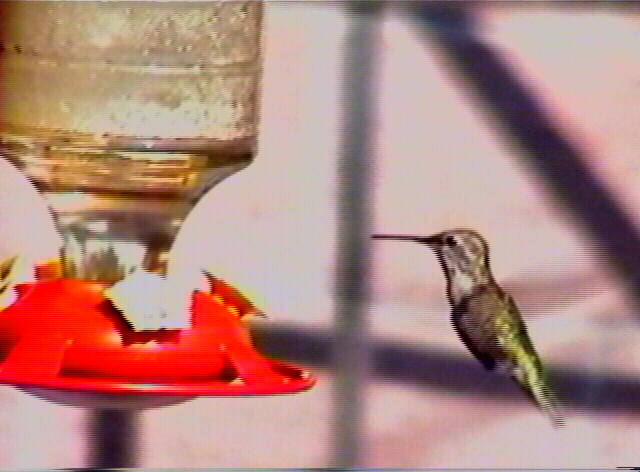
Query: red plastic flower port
point(64, 334)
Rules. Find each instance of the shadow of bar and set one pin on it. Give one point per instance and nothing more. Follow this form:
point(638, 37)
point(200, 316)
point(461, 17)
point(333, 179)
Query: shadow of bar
point(430, 367)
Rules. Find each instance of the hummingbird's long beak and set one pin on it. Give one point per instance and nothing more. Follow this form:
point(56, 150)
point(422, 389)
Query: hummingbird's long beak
point(435, 239)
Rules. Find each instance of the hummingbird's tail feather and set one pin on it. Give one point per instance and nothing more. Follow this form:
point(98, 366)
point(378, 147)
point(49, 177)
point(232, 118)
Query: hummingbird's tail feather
point(548, 403)
point(537, 387)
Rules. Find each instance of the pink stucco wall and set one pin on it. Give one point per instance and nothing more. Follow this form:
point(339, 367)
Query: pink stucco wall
point(440, 163)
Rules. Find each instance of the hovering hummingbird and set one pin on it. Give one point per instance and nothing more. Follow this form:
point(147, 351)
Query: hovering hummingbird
point(485, 317)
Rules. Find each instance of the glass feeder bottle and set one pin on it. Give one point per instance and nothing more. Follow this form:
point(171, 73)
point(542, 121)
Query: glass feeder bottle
point(123, 114)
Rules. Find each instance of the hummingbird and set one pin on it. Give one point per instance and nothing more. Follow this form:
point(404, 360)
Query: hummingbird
point(485, 317)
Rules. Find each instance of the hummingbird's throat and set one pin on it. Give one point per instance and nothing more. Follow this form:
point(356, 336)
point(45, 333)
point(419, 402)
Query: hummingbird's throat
point(461, 283)
point(460, 286)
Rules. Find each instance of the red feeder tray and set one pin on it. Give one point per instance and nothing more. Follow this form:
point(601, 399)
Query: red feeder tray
point(64, 334)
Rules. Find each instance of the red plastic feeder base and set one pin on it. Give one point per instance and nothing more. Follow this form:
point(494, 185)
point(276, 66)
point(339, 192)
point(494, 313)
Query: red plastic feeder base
point(64, 334)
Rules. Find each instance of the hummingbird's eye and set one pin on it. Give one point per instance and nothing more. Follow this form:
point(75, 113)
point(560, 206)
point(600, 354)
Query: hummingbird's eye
point(450, 241)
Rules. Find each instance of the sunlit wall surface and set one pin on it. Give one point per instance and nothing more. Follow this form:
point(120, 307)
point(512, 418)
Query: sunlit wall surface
point(444, 157)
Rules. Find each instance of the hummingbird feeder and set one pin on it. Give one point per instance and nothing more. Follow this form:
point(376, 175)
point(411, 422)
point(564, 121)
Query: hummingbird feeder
point(65, 334)
point(123, 116)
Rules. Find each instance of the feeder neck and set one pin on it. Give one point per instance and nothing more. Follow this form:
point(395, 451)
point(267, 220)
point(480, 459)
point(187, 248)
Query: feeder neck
point(121, 210)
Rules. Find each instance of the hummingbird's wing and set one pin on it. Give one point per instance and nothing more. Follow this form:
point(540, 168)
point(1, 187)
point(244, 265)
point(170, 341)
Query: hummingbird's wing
point(491, 322)
point(474, 321)
point(471, 338)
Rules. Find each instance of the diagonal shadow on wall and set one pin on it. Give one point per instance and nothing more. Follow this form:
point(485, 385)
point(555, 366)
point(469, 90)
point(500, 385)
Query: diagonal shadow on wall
point(559, 163)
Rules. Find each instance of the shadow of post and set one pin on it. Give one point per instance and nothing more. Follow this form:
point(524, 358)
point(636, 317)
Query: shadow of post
point(351, 280)
point(113, 439)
